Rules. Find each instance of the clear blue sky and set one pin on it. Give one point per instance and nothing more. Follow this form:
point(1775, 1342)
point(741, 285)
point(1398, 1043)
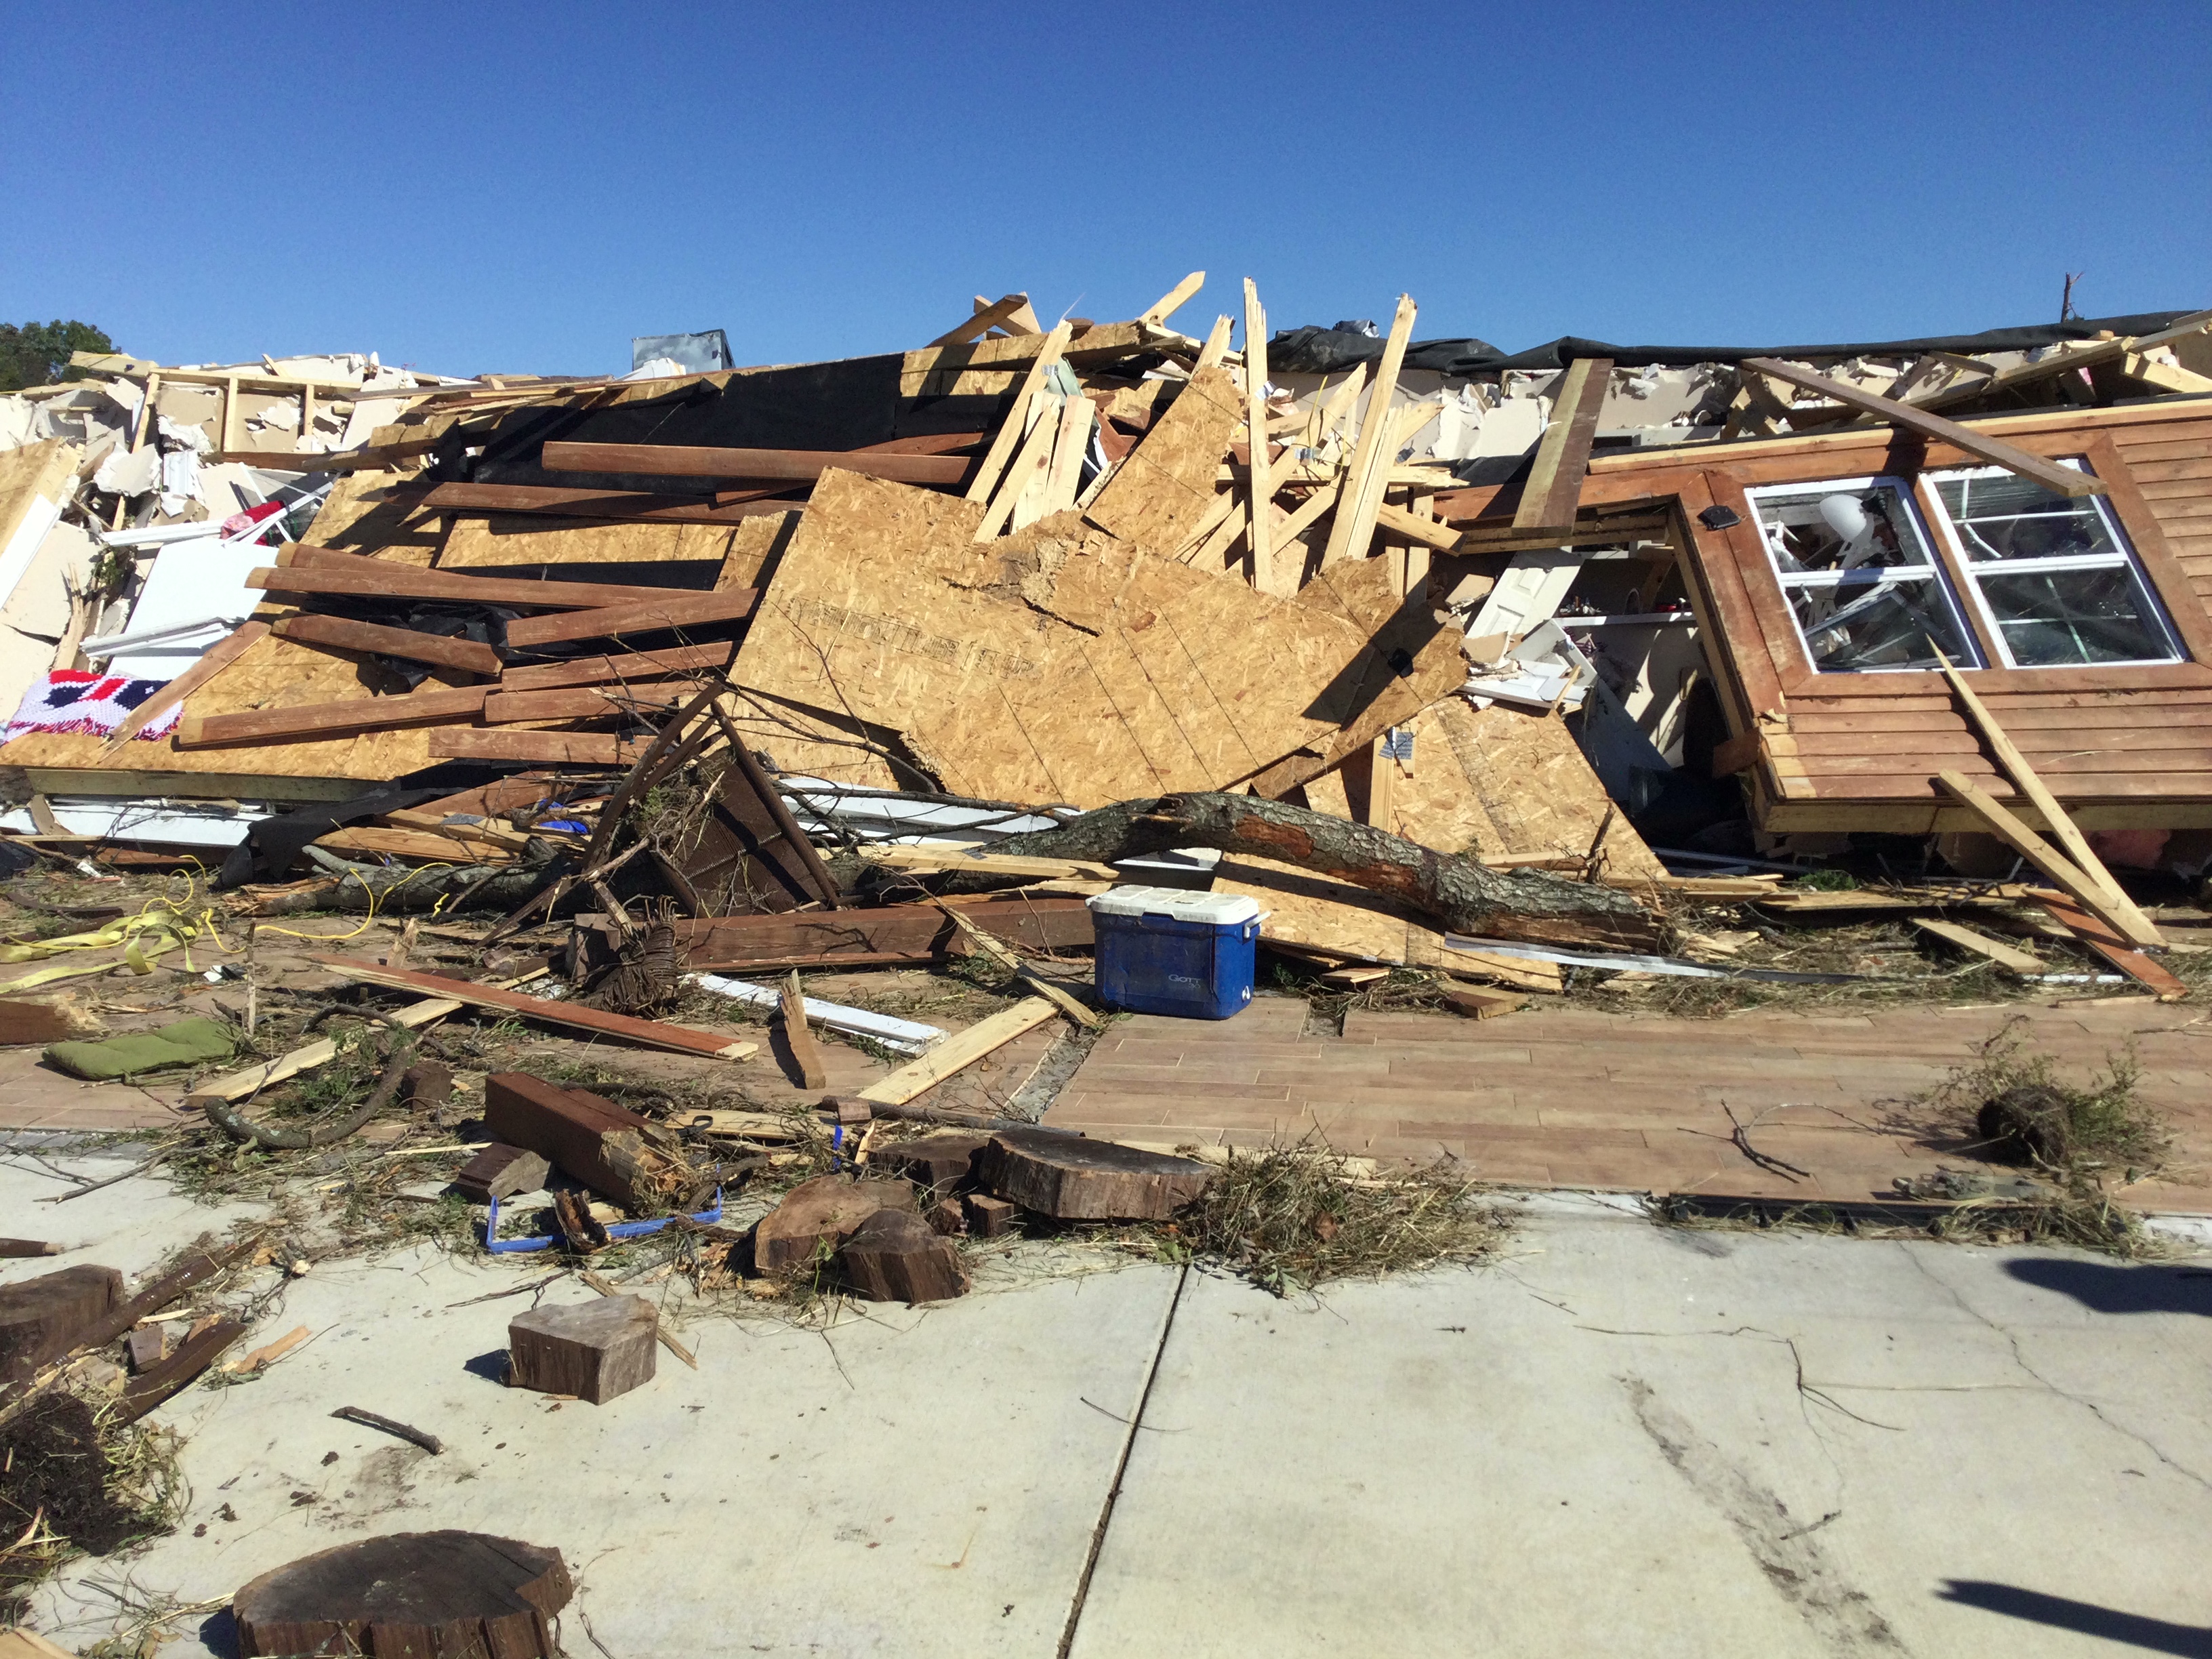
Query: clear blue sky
point(485, 186)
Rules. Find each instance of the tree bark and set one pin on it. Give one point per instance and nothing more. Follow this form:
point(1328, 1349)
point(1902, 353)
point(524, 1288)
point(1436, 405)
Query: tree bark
point(1461, 895)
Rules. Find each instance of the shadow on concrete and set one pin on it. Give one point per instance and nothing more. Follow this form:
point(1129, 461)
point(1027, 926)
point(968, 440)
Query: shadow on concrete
point(2115, 1288)
point(2151, 1635)
point(219, 1635)
point(492, 1367)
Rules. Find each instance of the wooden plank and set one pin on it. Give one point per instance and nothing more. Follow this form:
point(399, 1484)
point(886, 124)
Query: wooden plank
point(1353, 528)
point(694, 461)
point(1553, 490)
point(628, 505)
point(1012, 428)
point(2007, 827)
point(412, 645)
point(536, 748)
point(237, 1085)
point(938, 856)
point(1259, 532)
point(2093, 931)
point(893, 933)
point(653, 1034)
point(805, 1052)
point(217, 658)
point(2131, 920)
point(671, 612)
point(381, 580)
point(987, 318)
point(422, 844)
point(620, 667)
point(1029, 467)
point(583, 702)
point(958, 1052)
point(2060, 480)
point(1068, 447)
point(1173, 300)
point(1412, 527)
point(330, 720)
point(1967, 939)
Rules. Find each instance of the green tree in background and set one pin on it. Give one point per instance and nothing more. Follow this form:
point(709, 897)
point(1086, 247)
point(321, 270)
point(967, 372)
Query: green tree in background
point(38, 354)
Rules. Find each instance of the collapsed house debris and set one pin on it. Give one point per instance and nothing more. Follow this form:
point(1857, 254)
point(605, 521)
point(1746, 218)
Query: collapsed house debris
point(1087, 668)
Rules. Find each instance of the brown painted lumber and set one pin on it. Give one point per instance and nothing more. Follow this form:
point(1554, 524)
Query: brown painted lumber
point(693, 461)
point(896, 1257)
point(401, 581)
point(805, 1052)
point(2022, 839)
point(1554, 488)
point(174, 1374)
point(576, 702)
point(2059, 480)
point(217, 657)
point(42, 1318)
point(29, 1246)
point(629, 506)
point(608, 1147)
point(409, 643)
point(816, 1216)
point(331, 719)
point(591, 1350)
point(409, 1592)
point(2098, 935)
point(652, 1033)
point(535, 748)
point(894, 933)
point(501, 1171)
point(619, 668)
point(1073, 1179)
point(654, 616)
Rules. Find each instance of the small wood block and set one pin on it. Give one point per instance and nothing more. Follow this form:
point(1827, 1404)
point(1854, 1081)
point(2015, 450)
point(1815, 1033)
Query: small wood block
point(946, 1219)
point(199, 1351)
point(845, 1109)
point(1481, 1005)
point(409, 1592)
point(895, 1256)
point(940, 1165)
point(826, 1209)
point(806, 1067)
point(988, 1217)
point(42, 1318)
point(593, 1350)
point(501, 1171)
point(147, 1347)
point(28, 1247)
point(1072, 1179)
point(428, 1085)
point(61, 1018)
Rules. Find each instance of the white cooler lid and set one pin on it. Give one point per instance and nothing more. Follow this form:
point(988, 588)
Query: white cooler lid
point(1180, 903)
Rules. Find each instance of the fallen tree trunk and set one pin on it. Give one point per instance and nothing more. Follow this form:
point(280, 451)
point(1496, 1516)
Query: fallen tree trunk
point(1462, 895)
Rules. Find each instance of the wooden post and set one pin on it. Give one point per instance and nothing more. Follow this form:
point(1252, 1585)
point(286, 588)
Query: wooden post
point(1260, 540)
point(1370, 462)
point(230, 414)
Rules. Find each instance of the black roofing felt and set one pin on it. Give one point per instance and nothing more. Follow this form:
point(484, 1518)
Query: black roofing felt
point(1331, 351)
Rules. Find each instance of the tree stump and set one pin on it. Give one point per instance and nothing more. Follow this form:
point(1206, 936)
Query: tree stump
point(42, 1318)
point(1072, 1179)
point(593, 1350)
point(410, 1593)
point(501, 1171)
point(896, 1257)
point(827, 1208)
point(940, 1165)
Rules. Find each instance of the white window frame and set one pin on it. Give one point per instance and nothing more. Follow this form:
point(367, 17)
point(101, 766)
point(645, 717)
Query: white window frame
point(2122, 556)
point(1932, 570)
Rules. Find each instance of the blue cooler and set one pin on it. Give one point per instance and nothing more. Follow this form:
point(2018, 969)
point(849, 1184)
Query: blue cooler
point(1169, 950)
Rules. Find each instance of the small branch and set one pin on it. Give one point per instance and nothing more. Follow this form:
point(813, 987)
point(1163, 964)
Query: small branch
point(428, 1443)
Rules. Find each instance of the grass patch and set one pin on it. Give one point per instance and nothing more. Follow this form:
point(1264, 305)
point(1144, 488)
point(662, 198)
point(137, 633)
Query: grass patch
point(1291, 1218)
point(2024, 1112)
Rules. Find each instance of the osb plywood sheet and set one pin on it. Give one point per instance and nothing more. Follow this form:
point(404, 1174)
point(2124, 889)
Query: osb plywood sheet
point(41, 468)
point(1166, 483)
point(756, 547)
point(526, 538)
point(1530, 781)
point(814, 745)
point(367, 510)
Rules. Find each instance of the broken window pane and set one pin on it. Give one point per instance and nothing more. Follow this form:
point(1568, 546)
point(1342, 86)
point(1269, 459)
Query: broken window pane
point(1860, 576)
point(2058, 582)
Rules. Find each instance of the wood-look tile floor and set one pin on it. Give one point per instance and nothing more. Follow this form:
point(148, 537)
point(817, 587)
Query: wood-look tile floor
point(1560, 1097)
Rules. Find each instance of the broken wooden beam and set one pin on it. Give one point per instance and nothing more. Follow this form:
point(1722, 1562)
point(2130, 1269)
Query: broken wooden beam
point(593, 1351)
point(896, 933)
point(653, 616)
point(608, 1147)
point(330, 720)
point(806, 1053)
point(959, 1051)
point(692, 461)
point(651, 1033)
point(1553, 491)
point(172, 1376)
point(410, 644)
point(625, 506)
point(380, 578)
point(623, 667)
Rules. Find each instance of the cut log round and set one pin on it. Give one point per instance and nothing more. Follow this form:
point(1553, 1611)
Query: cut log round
point(988, 1217)
point(1462, 894)
point(42, 1318)
point(1072, 1179)
point(896, 1257)
point(411, 1593)
point(940, 1165)
point(826, 1209)
point(592, 1350)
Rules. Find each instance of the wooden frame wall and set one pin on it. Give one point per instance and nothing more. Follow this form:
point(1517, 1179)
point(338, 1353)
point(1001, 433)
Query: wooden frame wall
point(2120, 746)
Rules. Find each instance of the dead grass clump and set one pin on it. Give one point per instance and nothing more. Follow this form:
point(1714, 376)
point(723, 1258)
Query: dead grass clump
point(1290, 1219)
point(71, 1484)
point(2024, 1113)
